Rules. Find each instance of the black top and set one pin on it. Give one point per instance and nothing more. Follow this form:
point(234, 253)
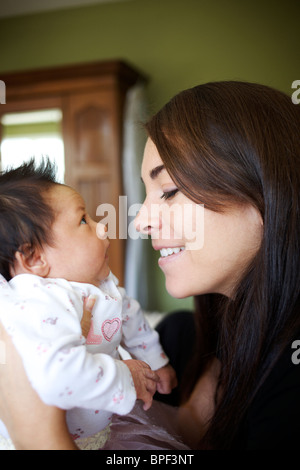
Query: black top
point(273, 419)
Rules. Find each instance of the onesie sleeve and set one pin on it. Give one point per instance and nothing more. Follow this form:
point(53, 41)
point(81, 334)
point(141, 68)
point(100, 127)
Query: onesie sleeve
point(139, 339)
point(47, 334)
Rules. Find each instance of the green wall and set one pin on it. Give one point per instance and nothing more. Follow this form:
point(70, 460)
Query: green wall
point(177, 43)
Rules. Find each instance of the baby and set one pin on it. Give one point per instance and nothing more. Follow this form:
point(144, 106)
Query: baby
point(51, 259)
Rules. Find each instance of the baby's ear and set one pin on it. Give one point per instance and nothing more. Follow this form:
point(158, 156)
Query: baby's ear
point(30, 261)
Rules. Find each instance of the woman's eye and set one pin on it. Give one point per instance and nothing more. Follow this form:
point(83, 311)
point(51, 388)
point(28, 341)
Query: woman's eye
point(83, 220)
point(169, 194)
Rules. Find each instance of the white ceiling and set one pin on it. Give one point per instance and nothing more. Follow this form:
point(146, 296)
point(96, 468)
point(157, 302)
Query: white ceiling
point(23, 7)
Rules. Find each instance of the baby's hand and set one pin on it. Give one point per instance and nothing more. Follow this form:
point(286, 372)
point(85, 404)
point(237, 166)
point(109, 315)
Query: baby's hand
point(144, 379)
point(167, 379)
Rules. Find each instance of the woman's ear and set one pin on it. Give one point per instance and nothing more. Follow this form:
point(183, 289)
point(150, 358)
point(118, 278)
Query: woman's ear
point(30, 261)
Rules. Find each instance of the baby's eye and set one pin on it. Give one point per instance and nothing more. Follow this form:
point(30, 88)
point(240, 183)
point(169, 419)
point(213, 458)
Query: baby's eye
point(83, 220)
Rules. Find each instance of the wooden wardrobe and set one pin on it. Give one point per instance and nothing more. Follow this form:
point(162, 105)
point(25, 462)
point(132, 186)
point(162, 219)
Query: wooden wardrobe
point(91, 97)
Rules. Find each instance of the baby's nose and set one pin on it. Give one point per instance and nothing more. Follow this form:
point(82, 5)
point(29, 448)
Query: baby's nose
point(101, 231)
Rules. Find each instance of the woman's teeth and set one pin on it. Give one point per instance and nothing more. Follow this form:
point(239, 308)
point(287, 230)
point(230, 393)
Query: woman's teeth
point(170, 251)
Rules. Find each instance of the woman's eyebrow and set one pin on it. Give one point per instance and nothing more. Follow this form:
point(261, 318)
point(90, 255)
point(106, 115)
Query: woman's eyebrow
point(155, 172)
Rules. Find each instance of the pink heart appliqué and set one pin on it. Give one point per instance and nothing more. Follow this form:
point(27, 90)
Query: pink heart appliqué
point(110, 327)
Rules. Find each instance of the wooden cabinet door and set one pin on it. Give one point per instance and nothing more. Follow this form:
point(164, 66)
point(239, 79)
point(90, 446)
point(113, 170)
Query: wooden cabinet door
point(93, 158)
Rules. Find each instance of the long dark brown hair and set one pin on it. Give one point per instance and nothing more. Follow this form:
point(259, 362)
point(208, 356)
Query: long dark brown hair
point(239, 142)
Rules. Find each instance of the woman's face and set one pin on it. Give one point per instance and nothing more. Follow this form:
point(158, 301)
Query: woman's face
point(201, 251)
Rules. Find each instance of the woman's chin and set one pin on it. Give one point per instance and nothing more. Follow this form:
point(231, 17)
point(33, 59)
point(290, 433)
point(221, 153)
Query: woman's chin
point(176, 290)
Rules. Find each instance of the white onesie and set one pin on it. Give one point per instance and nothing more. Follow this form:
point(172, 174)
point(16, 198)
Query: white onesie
point(85, 376)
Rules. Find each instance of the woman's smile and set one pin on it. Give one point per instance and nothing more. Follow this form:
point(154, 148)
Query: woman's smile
point(168, 254)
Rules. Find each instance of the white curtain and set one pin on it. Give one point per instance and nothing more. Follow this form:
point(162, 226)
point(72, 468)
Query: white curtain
point(136, 266)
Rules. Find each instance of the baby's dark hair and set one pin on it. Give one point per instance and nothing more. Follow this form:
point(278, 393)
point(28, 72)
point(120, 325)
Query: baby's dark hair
point(25, 216)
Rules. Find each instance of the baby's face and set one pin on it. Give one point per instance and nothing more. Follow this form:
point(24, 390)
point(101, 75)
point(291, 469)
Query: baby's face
point(77, 253)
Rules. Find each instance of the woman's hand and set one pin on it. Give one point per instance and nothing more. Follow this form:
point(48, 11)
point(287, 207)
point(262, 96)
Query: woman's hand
point(195, 414)
point(88, 305)
point(31, 424)
point(144, 379)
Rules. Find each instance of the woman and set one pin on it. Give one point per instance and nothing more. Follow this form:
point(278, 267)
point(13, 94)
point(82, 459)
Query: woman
point(231, 150)
point(235, 148)
point(31, 424)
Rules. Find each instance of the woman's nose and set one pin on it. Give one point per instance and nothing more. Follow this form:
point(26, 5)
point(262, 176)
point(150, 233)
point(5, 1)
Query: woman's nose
point(147, 220)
